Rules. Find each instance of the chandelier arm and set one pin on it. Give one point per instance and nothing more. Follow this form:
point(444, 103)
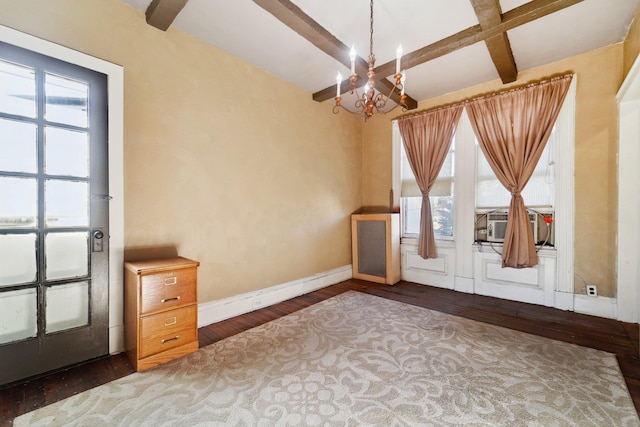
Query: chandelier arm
point(336, 110)
point(389, 110)
point(392, 90)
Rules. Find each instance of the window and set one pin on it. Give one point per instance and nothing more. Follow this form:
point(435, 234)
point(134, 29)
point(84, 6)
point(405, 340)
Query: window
point(456, 201)
point(490, 194)
point(441, 198)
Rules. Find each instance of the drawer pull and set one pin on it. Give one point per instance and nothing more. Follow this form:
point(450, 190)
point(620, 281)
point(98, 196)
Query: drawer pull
point(170, 321)
point(170, 299)
point(170, 281)
point(177, 337)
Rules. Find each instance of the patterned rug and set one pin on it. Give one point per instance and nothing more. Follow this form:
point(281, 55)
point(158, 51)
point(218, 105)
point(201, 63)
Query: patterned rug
point(361, 360)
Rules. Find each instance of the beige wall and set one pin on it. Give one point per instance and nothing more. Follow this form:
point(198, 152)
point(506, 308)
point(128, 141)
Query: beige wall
point(224, 163)
point(599, 75)
point(229, 165)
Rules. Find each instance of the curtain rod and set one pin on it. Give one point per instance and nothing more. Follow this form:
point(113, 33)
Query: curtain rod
point(544, 80)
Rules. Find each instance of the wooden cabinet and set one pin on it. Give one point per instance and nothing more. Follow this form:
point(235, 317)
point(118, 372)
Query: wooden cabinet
point(375, 247)
point(160, 310)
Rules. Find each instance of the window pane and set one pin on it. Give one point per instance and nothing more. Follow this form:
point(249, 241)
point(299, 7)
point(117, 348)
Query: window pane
point(66, 152)
point(66, 100)
point(18, 146)
point(539, 191)
point(19, 206)
point(18, 315)
point(67, 306)
point(67, 203)
point(412, 206)
point(441, 197)
point(17, 89)
point(441, 213)
point(66, 255)
point(17, 259)
point(442, 187)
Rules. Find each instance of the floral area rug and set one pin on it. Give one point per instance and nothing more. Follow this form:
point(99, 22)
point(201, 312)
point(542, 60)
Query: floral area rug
point(362, 360)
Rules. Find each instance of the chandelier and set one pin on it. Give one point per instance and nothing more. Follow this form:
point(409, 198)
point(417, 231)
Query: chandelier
point(371, 101)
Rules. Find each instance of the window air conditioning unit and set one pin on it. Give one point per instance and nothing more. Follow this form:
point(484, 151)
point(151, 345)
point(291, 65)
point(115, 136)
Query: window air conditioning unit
point(497, 226)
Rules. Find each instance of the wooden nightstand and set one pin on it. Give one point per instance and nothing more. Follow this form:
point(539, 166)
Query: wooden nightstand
point(160, 310)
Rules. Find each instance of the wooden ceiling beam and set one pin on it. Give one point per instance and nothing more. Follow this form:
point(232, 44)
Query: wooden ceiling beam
point(293, 17)
point(521, 15)
point(161, 13)
point(489, 15)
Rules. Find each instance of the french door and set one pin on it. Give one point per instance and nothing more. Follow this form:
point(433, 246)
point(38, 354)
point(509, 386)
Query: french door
point(53, 214)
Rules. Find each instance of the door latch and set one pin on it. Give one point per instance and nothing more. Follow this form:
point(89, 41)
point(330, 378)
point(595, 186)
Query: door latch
point(97, 240)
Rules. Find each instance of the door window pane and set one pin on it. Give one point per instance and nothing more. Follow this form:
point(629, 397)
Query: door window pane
point(18, 315)
point(18, 146)
point(19, 207)
point(66, 100)
point(17, 259)
point(66, 255)
point(17, 89)
point(66, 152)
point(67, 306)
point(67, 203)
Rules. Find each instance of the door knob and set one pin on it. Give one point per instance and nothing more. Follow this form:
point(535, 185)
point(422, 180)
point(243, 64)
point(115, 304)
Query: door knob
point(98, 234)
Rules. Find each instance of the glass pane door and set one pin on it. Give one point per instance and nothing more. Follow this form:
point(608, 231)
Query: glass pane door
point(53, 214)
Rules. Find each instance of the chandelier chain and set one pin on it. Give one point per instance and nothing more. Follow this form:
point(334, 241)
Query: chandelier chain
point(372, 57)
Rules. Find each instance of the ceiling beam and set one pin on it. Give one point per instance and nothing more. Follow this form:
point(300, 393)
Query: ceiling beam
point(161, 13)
point(489, 15)
point(293, 17)
point(514, 18)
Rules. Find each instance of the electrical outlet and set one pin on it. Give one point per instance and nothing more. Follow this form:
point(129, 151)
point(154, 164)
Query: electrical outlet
point(257, 303)
point(592, 291)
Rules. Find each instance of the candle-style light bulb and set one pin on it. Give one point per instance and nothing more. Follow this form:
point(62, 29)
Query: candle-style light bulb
point(352, 56)
point(398, 56)
point(338, 81)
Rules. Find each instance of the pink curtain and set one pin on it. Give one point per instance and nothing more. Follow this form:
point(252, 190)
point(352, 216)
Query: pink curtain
point(427, 138)
point(512, 129)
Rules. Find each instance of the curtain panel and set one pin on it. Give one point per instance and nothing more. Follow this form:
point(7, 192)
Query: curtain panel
point(512, 129)
point(427, 139)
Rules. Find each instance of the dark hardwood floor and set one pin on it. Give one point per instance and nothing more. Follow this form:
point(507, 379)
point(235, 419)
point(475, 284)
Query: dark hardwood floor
point(603, 334)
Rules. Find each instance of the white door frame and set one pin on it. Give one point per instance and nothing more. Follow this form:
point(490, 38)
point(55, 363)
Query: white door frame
point(628, 253)
point(115, 88)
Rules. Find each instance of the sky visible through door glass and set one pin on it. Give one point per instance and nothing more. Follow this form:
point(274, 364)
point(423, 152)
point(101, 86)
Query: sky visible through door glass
point(66, 147)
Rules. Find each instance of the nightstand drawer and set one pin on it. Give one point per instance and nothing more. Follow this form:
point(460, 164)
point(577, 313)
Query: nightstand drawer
point(166, 330)
point(166, 290)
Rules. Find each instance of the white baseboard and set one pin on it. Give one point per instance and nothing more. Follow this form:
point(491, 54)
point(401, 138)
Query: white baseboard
point(463, 284)
point(596, 306)
point(216, 311)
point(563, 300)
point(116, 339)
